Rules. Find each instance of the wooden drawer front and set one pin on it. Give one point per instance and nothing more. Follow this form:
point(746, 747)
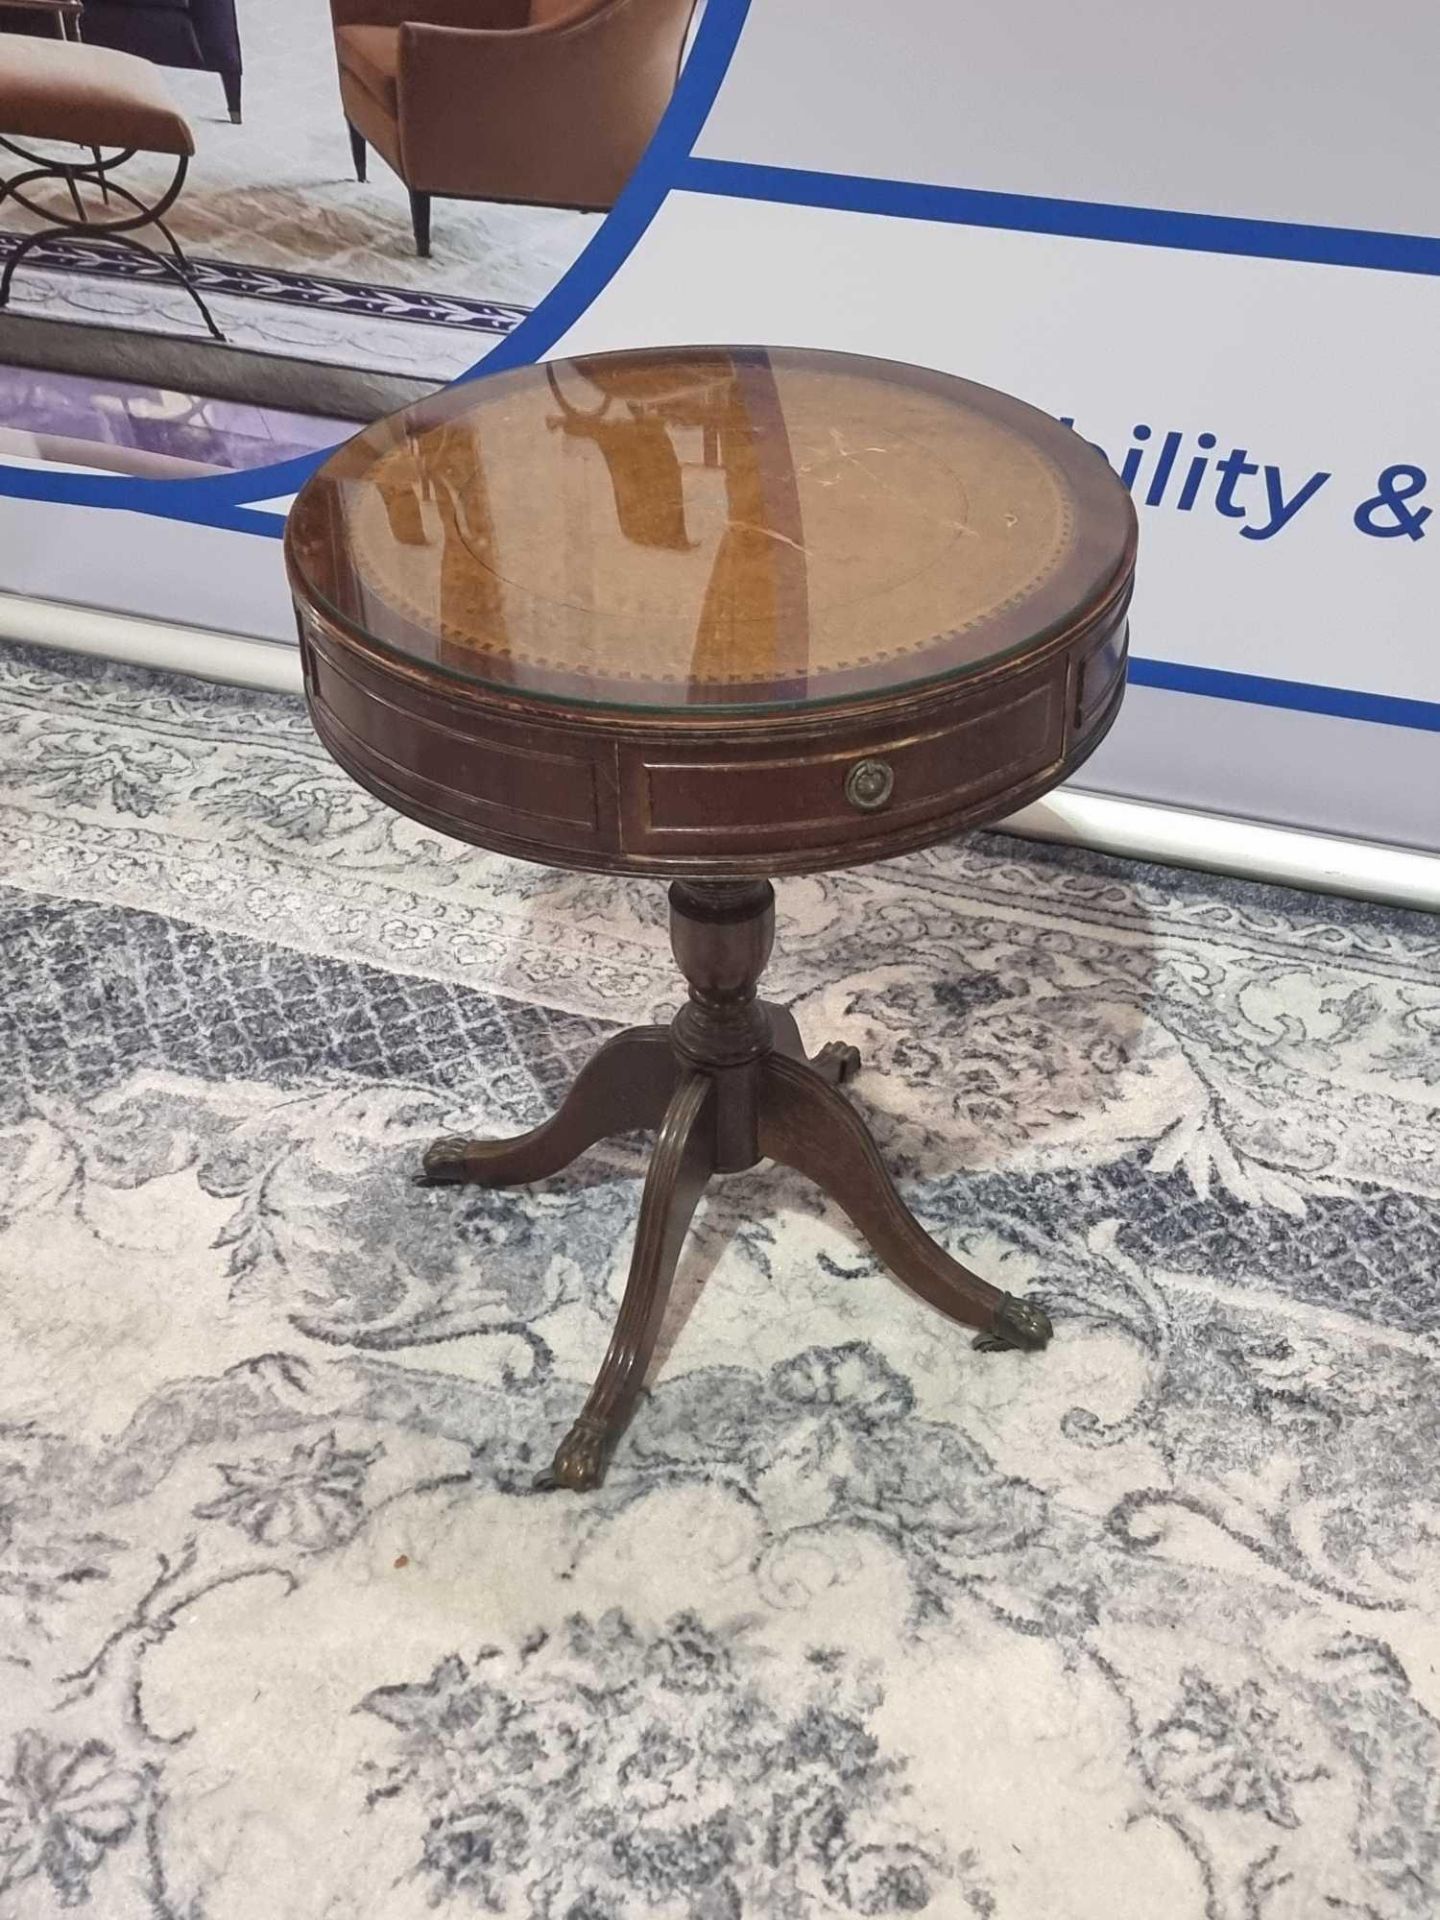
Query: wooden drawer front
point(785, 799)
point(506, 781)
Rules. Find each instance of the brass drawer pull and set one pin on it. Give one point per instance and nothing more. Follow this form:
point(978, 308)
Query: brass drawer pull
point(869, 785)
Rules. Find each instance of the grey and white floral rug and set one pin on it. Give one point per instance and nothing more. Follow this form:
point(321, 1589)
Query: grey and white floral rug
point(862, 1622)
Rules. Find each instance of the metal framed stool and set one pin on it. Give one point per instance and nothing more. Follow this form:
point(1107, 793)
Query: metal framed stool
point(113, 105)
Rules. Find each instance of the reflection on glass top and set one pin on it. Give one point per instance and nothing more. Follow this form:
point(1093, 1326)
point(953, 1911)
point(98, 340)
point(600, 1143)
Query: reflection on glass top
point(697, 527)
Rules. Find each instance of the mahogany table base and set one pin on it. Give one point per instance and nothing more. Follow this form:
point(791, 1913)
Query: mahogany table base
point(727, 1084)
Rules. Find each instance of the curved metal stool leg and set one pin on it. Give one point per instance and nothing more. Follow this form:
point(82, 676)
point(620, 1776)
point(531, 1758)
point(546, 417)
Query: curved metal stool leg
point(27, 245)
point(684, 1159)
point(180, 271)
point(119, 232)
point(806, 1124)
point(626, 1085)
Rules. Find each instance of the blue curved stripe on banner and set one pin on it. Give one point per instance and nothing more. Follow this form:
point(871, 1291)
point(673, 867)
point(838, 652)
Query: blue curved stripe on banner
point(1069, 219)
point(1296, 696)
point(220, 500)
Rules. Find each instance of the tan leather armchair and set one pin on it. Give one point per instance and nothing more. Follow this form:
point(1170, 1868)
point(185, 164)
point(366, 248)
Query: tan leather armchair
point(546, 101)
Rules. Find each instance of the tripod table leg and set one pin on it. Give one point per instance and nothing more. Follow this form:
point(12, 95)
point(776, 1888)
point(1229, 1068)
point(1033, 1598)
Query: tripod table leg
point(626, 1085)
point(806, 1124)
point(684, 1159)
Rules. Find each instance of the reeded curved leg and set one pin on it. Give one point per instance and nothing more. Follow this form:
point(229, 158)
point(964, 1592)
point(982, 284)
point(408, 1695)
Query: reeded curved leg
point(683, 1161)
point(835, 1063)
point(807, 1125)
point(627, 1084)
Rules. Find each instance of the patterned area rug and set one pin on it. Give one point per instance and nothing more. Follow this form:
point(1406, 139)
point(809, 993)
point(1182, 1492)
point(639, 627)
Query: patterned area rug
point(863, 1622)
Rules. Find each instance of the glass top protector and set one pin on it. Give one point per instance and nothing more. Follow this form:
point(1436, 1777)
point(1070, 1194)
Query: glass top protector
point(700, 528)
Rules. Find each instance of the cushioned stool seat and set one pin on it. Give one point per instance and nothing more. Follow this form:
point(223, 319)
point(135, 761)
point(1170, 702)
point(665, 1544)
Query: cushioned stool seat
point(57, 90)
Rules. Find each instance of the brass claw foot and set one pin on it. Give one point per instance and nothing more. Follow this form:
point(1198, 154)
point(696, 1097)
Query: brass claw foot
point(579, 1462)
point(444, 1163)
point(1018, 1323)
point(837, 1063)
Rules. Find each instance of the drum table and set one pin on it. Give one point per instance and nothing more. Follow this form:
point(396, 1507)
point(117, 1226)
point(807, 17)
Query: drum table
point(714, 615)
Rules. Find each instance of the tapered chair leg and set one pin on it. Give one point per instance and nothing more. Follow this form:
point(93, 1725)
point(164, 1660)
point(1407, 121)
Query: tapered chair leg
point(626, 1085)
point(684, 1159)
point(420, 220)
point(357, 150)
point(806, 1124)
point(231, 79)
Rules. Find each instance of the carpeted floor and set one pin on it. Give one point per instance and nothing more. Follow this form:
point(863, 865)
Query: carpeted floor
point(334, 259)
point(862, 1622)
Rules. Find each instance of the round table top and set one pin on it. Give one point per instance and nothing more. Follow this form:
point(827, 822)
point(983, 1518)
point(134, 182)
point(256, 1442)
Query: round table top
point(704, 529)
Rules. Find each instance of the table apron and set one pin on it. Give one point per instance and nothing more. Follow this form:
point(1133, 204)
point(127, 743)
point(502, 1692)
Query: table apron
point(821, 788)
